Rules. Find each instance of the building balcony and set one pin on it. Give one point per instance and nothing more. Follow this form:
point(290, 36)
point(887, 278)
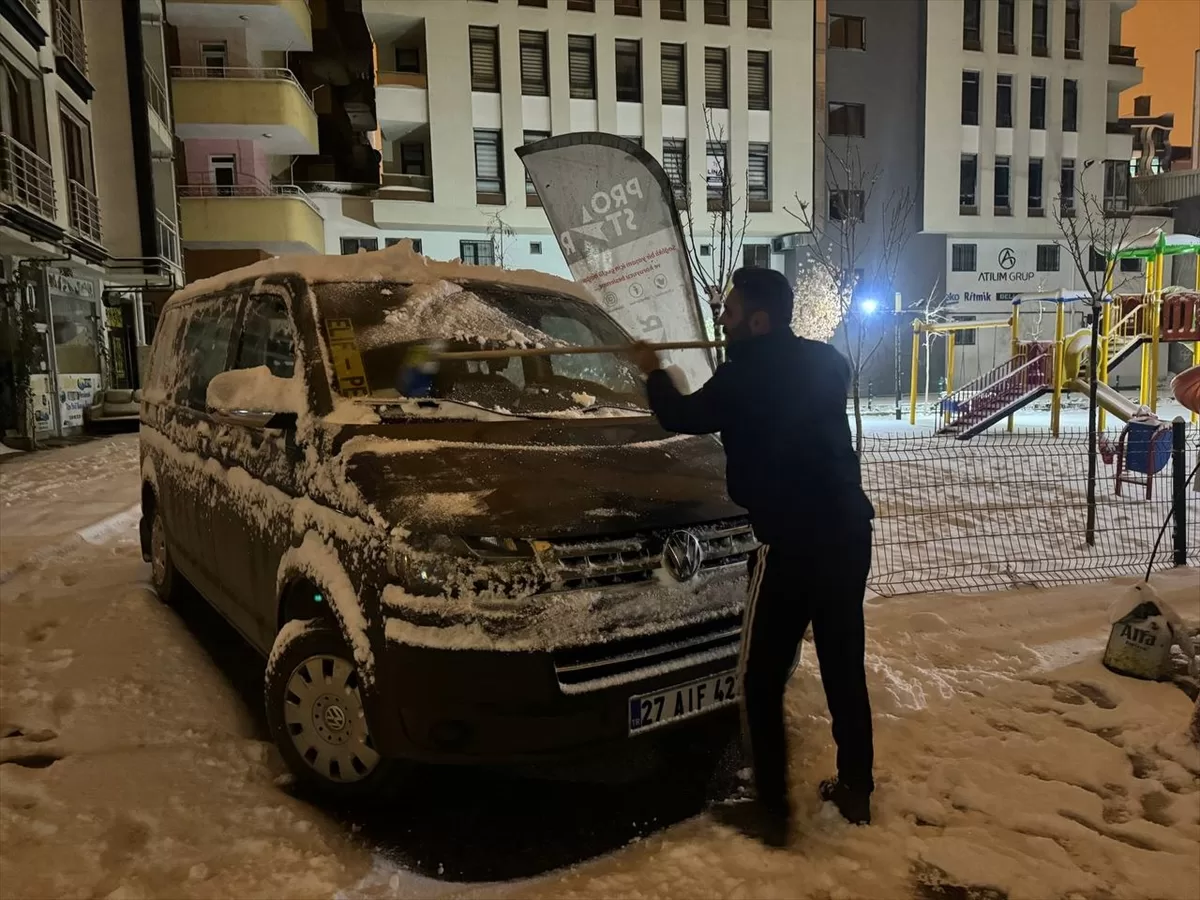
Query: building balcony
point(1123, 66)
point(267, 106)
point(401, 101)
point(1120, 55)
point(26, 181)
point(277, 218)
point(407, 187)
point(23, 16)
point(160, 109)
point(1167, 188)
point(70, 49)
point(167, 238)
point(272, 24)
point(83, 212)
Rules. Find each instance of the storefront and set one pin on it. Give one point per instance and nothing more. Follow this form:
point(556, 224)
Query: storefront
point(77, 341)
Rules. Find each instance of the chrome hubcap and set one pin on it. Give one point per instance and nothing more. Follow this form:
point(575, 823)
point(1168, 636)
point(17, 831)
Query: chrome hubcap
point(158, 551)
point(324, 716)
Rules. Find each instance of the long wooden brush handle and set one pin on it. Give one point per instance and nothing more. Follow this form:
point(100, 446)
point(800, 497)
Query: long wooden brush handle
point(569, 351)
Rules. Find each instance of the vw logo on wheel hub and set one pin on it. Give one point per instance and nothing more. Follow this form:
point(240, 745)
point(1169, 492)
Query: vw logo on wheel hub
point(682, 555)
point(335, 718)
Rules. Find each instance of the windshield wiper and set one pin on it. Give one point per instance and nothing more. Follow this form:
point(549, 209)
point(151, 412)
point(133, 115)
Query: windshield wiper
point(633, 409)
point(437, 402)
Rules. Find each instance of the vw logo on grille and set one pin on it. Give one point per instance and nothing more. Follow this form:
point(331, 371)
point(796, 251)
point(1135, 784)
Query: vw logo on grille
point(682, 555)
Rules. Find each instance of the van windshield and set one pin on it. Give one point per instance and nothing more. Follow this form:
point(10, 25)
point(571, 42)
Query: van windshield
point(373, 327)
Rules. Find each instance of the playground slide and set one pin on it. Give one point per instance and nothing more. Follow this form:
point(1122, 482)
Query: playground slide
point(1108, 398)
point(1186, 387)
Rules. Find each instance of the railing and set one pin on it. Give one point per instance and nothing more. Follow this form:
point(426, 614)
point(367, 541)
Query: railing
point(32, 6)
point(25, 178)
point(156, 94)
point(241, 73)
point(1130, 324)
point(247, 190)
point(990, 393)
point(83, 210)
point(168, 238)
point(1167, 187)
point(67, 35)
point(1119, 55)
point(1180, 316)
point(419, 187)
point(403, 79)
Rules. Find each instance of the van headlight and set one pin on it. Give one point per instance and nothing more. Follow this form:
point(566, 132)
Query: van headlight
point(467, 567)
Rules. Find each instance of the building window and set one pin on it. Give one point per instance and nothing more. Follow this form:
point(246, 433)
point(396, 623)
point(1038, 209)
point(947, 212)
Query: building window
point(535, 82)
point(966, 337)
point(540, 4)
point(1131, 264)
point(1072, 31)
point(629, 71)
point(351, 245)
point(1036, 187)
point(392, 242)
point(1041, 27)
point(535, 248)
point(77, 147)
point(1006, 27)
point(532, 137)
point(1047, 257)
point(756, 256)
point(1004, 98)
point(412, 159)
point(674, 10)
point(581, 65)
point(848, 32)
point(489, 173)
point(758, 173)
point(222, 170)
point(1070, 104)
point(972, 16)
point(1097, 261)
point(717, 171)
point(477, 253)
point(214, 57)
point(970, 98)
point(962, 257)
point(674, 160)
point(758, 13)
point(582, 5)
point(1001, 199)
point(627, 7)
point(716, 12)
point(706, 249)
point(1116, 185)
point(674, 75)
point(1037, 103)
point(758, 77)
point(847, 206)
point(408, 59)
point(848, 119)
point(968, 174)
point(716, 77)
point(485, 59)
point(1066, 187)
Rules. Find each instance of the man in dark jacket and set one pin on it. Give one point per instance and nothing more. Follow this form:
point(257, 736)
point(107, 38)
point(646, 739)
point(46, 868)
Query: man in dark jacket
point(779, 403)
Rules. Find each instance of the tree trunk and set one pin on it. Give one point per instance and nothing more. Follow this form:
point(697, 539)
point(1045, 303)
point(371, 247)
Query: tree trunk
point(858, 422)
point(1093, 387)
point(928, 366)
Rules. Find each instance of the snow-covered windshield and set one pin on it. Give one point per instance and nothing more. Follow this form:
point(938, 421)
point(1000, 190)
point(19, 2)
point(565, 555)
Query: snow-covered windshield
point(373, 326)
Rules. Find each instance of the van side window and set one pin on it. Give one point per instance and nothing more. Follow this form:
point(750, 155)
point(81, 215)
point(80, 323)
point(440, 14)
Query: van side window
point(159, 379)
point(267, 337)
point(205, 349)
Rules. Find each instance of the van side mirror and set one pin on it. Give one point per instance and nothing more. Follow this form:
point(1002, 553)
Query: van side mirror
point(255, 392)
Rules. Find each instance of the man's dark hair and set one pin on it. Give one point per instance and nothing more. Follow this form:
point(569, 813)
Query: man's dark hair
point(767, 290)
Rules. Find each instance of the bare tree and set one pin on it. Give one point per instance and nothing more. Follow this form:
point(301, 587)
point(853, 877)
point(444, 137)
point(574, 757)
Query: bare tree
point(851, 253)
point(728, 216)
point(1094, 225)
point(502, 236)
point(932, 309)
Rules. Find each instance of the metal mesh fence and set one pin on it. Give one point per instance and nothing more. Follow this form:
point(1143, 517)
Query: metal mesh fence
point(1006, 510)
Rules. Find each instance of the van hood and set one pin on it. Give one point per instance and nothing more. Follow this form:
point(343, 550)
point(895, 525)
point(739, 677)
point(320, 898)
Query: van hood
point(543, 491)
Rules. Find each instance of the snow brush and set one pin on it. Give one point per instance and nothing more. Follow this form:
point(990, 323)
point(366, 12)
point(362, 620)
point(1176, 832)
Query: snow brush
point(423, 361)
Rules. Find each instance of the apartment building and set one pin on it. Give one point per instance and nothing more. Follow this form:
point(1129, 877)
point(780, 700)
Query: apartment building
point(242, 118)
point(80, 225)
point(701, 84)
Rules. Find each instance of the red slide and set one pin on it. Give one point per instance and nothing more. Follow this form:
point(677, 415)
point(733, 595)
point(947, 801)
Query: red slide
point(1186, 387)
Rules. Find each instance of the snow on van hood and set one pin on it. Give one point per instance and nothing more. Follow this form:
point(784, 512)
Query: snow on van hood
point(541, 491)
point(399, 263)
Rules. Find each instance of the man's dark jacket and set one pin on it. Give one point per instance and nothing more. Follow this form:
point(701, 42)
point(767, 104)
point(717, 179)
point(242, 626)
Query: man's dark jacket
point(779, 402)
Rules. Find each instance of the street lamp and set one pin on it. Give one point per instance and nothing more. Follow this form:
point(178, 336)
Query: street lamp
point(869, 306)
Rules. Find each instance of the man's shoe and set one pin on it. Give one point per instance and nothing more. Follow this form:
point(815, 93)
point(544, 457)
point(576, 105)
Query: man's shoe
point(854, 805)
point(755, 821)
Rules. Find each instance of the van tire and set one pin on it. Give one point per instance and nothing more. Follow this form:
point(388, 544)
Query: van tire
point(163, 576)
point(315, 715)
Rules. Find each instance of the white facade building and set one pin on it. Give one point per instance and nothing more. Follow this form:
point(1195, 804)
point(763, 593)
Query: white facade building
point(461, 83)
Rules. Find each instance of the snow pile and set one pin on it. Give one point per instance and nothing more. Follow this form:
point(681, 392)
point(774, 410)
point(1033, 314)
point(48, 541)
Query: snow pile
point(256, 389)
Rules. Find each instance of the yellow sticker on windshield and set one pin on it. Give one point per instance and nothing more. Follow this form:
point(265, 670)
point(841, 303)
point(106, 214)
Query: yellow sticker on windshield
point(347, 361)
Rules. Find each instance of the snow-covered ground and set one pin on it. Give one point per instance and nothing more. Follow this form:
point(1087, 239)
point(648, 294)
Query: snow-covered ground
point(134, 759)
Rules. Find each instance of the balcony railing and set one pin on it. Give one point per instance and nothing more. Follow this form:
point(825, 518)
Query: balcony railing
point(156, 95)
point(25, 178)
point(257, 189)
point(83, 209)
point(168, 238)
point(402, 79)
point(32, 6)
point(236, 73)
point(1119, 55)
point(409, 187)
point(67, 35)
point(1167, 187)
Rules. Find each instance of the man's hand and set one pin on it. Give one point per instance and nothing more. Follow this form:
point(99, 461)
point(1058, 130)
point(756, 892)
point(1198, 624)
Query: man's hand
point(644, 357)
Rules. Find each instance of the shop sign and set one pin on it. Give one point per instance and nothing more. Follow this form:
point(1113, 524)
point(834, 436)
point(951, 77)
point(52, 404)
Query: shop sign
point(75, 393)
point(1005, 270)
point(112, 315)
point(61, 281)
point(39, 389)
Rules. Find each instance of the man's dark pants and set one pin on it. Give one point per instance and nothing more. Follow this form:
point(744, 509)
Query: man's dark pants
point(822, 580)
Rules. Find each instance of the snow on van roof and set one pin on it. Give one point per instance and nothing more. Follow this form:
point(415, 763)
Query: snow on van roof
point(397, 263)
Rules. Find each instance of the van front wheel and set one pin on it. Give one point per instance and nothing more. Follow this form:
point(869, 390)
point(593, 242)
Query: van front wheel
point(162, 569)
point(315, 712)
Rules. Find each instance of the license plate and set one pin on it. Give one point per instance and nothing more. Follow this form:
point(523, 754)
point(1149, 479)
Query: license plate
point(682, 702)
